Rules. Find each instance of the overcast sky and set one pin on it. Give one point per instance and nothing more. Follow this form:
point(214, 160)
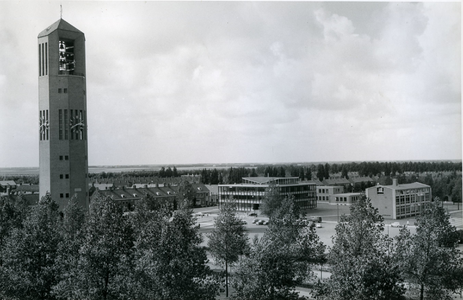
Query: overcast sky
point(238, 82)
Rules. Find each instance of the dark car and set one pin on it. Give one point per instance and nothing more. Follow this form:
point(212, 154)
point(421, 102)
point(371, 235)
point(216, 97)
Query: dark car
point(252, 214)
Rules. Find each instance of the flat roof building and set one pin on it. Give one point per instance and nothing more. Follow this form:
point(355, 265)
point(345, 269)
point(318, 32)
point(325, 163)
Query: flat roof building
point(324, 192)
point(248, 196)
point(344, 198)
point(399, 201)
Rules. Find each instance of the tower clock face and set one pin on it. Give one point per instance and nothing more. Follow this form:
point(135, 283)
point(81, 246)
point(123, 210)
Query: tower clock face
point(43, 125)
point(77, 124)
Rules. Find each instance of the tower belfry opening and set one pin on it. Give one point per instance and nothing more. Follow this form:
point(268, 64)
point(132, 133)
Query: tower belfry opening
point(66, 57)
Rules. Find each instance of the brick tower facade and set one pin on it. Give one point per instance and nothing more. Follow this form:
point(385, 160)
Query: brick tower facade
point(63, 114)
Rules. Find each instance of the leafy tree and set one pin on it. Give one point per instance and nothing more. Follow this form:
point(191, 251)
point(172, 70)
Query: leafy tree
point(362, 258)
point(12, 213)
point(175, 172)
point(68, 248)
point(430, 259)
point(253, 173)
point(169, 172)
point(214, 177)
point(105, 264)
point(186, 194)
point(169, 262)
point(280, 260)
point(456, 191)
point(327, 171)
point(282, 172)
point(228, 240)
point(308, 174)
point(320, 172)
point(162, 172)
point(272, 200)
point(29, 253)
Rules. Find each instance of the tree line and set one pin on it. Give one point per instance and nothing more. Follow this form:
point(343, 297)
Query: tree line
point(364, 262)
point(107, 253)
point(101, 254)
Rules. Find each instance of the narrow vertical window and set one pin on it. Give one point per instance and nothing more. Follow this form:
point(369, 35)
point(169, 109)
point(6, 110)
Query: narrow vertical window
point(40, 65)
point(47, 124)
point(71, 123)
point(84, 128)
point(60, 124)
point(66, 124)
point(42, 60)
point(40, 125)
point(81, 128)
point(77, 123)
point(46, 58)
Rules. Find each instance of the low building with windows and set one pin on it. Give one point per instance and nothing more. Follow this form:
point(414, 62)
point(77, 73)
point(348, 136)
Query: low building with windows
point(399, 201)
point(324, 192)
point(344, 198)
point(248, 196)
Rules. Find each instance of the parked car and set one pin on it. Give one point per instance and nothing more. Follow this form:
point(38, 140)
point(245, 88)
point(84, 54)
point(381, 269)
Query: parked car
point(460, 232)
point(255, 221)
point(265, 222)
point(318, 225)
point(253, 214)
point(396, 224)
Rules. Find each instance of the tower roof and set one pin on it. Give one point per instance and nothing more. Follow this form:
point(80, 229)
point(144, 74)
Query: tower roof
point(61, 25)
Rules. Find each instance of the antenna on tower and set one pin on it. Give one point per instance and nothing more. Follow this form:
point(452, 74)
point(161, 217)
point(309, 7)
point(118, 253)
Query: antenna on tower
point(60, 11)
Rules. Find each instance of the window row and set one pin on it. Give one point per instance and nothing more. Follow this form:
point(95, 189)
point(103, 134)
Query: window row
point(63, 176)
point(62, 90)
point(63, 157)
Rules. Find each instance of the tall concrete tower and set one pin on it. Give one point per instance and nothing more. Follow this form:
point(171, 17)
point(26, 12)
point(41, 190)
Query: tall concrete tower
point(63, 114)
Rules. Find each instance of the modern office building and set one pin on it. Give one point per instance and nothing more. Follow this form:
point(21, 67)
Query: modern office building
point(248, 195)
point(344, 198)
point(63, 114)
point(398, 201)
point(324, 192)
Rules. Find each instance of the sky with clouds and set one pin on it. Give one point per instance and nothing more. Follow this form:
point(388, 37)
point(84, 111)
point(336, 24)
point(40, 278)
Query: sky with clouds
point(240, 82)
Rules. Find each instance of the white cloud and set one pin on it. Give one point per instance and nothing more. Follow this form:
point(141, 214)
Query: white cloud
point(177, 82)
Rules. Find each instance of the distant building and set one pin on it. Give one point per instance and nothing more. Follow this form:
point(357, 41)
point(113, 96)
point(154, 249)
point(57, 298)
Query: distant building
point(324, 192)
point(127, 196)
point(400, 201)
point(248, 195)
point(344, 198)
point(6, 186)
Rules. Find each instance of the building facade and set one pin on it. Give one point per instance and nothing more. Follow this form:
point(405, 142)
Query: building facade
point(399, 201)
point(248, 196)
point(63, 114)
point(344, 198)
point(324, 192)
